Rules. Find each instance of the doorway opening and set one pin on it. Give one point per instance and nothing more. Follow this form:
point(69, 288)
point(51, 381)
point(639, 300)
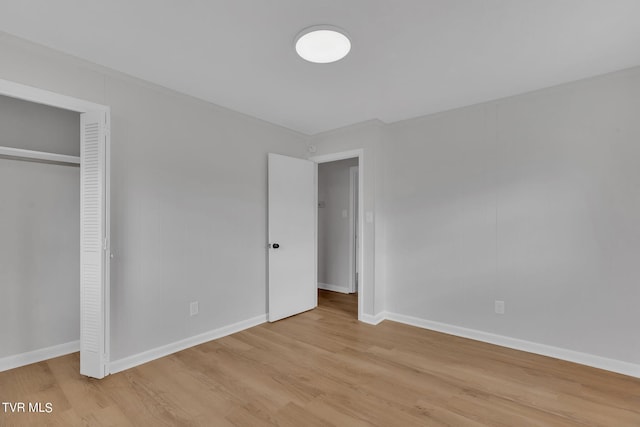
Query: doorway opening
point(338, 235)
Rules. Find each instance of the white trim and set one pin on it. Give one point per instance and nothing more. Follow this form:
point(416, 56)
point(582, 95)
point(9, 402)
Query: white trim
point(315, 231)
point(332, 157)
point(165, 350)
point(23, 359)
point(373, 320)
point(38, 155)
point(334, 288)
point(594, 361)
point(353, 207)
point(363, 285)
point(52, 99)
point(107, 252)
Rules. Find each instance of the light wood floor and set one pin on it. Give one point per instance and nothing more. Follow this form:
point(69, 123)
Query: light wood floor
point(324, 368)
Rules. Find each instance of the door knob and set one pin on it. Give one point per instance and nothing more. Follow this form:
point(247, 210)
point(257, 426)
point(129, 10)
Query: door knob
point(275, 246)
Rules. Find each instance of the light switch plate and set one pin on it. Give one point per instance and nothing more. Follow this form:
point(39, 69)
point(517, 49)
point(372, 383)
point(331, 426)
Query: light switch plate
point(193, 308)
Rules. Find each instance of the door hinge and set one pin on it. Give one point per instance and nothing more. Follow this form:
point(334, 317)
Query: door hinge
point(105, 244)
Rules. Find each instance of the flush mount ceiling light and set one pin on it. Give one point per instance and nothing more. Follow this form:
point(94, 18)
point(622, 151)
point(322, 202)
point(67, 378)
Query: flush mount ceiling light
point(322, 44)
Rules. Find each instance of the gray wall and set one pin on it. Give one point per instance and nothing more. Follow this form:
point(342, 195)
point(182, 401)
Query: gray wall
point(189, 199)
point(333, 228)
point(534, 200)
point(39, 229)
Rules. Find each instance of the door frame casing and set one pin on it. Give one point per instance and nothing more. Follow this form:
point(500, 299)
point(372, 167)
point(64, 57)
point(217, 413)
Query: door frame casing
point(41, 96)
point(363, 281)
point(354, 208)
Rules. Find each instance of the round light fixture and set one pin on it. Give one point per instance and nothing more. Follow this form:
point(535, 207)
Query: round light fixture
point(322, 44)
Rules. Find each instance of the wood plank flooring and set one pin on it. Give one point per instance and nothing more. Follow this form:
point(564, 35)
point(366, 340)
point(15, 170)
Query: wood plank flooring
point(324, 368)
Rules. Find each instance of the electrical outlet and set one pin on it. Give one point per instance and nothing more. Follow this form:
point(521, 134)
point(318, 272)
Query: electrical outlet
point(499, 307)
point(193, 308)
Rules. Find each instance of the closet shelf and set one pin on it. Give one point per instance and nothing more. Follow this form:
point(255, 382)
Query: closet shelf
point(37, 156)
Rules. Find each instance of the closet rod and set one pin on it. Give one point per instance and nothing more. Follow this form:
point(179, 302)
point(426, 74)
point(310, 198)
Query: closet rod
point(37, 156)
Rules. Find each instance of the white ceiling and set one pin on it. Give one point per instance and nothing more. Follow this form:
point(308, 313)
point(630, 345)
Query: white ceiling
point(409, 57)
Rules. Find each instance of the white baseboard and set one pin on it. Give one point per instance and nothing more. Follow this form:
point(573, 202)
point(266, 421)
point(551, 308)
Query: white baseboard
point(594, 361)
point(334, 288)
point(373, 320)
point(165, 350)
point(39, 355)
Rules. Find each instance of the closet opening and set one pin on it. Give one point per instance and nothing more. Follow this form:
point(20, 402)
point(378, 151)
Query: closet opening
point(55, 226)
point(39, 225)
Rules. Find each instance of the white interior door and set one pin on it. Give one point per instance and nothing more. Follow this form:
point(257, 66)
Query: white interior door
point(93, 242)
point(292, 233)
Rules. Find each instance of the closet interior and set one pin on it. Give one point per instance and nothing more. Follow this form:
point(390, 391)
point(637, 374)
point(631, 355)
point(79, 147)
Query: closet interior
point(39, 227)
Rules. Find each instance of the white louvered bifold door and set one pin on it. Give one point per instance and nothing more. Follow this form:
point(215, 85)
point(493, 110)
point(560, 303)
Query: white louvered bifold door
point(92, 243)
